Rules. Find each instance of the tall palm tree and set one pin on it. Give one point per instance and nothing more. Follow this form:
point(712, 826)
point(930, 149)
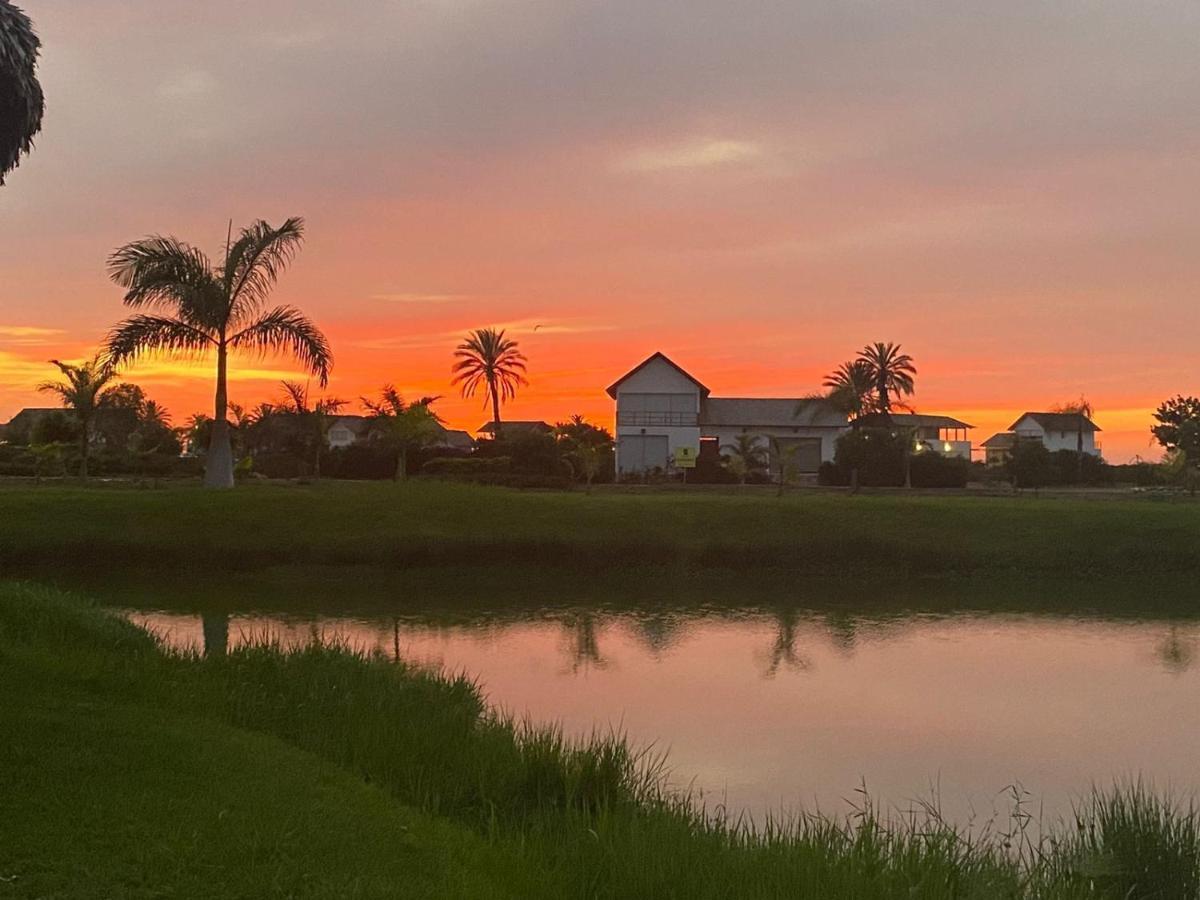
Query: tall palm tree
point(21, 100)
point(489, 360)
point(404, 427)
point(850, 387)
point(891, 373)
point(215, 308)
point(83, 391)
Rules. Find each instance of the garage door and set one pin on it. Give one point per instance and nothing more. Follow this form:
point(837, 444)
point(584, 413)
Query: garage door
point(642, 452)
point(806, 458)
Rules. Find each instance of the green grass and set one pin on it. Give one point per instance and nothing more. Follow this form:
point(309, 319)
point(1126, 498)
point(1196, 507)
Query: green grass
point(432, 524)
point(130, 771)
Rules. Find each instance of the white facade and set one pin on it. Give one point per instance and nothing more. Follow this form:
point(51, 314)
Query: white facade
point(1057, 431)
point(658, 411)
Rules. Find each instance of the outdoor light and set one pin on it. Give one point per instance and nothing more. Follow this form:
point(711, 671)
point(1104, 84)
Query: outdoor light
point(947, 446)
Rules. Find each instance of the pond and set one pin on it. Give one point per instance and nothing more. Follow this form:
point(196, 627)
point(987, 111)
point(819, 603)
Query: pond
point(939, 694)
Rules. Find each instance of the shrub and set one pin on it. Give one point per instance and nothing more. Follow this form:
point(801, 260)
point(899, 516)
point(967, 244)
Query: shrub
point(932, 470)
point(877, 453)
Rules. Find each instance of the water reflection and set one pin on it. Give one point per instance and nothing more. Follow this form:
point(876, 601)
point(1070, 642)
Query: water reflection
point(787, 705)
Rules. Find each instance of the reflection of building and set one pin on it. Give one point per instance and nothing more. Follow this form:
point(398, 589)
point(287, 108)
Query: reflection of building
point(1057, 431)
point(661, 409)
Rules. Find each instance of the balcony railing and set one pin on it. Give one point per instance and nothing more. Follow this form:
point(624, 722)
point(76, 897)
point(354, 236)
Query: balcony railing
point(654, 417)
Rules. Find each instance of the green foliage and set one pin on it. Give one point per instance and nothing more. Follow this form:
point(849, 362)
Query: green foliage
point(1030, 464)
point(932, 470)
point(54, 428)
point(141, 766)
point(877, 454)
point(588, 449)
point(746, 458)
point(1178, 428)
point(489, 360)
point(401, 427)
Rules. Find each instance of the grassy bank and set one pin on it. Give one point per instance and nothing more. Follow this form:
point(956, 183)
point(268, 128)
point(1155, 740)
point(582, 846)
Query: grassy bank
point(315, 772)
point(430, 524)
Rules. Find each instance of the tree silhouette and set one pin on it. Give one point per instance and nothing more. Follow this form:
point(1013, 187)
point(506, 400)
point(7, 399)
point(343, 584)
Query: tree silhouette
point(215, 308)
point(85, 392)
point(402, 427)
point(891, 373)
point(489, 360)
point(851, 387)
point(21, 101)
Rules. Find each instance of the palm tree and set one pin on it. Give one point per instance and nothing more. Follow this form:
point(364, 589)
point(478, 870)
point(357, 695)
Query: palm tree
point(488, 359)
point(215, 308)
point(746, 456)
point(891, 372)
point(850, 387)
point(21, 100)
point(316, 420)
point(1082, 409)
point(83, 392)
point(405, 427)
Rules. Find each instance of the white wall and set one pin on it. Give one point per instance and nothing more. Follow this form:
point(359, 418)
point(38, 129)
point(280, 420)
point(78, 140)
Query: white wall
point(727, 435)
point(1057, 440)
point(664, 380)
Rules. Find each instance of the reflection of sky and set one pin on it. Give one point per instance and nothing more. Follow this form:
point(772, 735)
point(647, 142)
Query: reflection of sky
point(1009, 189)
point(760, 721)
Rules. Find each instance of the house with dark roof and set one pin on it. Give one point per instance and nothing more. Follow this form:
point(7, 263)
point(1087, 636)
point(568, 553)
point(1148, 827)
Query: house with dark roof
point(664, 411)
point(944, 435)
point(1055, 430)
point(19, 428)
point(349, 430)
point(515, 427)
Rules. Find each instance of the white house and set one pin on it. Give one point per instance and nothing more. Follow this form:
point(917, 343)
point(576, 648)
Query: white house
point(662, 408)
point(349, 430)
point(1057, 431)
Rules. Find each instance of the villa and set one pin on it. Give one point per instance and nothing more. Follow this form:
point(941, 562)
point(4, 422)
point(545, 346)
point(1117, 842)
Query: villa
point(1057, 431)
point(663, 410)
point(347, 431)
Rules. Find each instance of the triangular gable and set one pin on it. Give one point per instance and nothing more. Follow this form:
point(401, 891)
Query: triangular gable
point(612, 389)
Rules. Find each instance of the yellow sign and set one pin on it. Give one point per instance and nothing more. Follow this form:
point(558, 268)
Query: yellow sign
point(685, 457)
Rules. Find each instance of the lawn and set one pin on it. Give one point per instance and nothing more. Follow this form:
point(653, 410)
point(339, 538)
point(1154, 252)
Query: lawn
point(129, 771)
point(435, 524)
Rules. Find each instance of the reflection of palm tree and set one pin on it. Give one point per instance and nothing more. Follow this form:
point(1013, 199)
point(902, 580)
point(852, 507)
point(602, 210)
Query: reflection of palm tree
point(843, 631)
point(21, 101)
point(783, 651)
point(216, 633)
point(1177, 651)
point(583, 642)
point(657, 631)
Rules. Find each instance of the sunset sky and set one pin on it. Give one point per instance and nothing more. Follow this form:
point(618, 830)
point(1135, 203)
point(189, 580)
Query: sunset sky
point(1011, 190)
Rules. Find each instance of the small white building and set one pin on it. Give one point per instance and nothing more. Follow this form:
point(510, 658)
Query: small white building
point(1056, 431)
point(662, 408)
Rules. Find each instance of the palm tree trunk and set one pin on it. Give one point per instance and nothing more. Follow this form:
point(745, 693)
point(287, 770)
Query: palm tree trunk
point(218, 469)
point(495, 408)
point(401, 465)
point(83, 449)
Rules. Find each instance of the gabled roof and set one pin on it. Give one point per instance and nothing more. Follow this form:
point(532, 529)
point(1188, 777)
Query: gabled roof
point(354, 424)
point(1003, 440)
point(913, 420)
point(612, 388)
point(454, 439)
point(767, 412)
point(1051, 421)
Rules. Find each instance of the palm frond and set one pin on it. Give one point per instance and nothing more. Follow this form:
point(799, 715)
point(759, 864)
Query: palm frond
point(145, 334)
point(165, 270)
point(22, 103)
point(257, 259)
point(286, 329)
